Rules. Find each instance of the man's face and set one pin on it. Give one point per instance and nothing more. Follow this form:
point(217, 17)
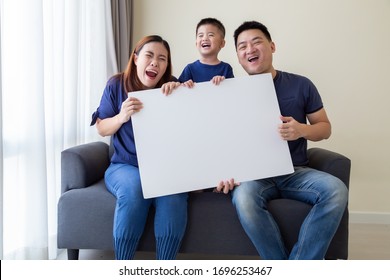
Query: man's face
point(254, 52)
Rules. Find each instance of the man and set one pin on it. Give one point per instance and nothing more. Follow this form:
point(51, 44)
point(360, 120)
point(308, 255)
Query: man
point(299, 101)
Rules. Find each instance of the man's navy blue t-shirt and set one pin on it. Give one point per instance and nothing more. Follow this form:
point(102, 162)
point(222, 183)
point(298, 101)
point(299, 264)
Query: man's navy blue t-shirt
point(297, 97)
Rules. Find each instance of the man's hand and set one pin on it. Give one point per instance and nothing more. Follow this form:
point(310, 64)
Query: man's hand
point(290, 129)
point(226, 186)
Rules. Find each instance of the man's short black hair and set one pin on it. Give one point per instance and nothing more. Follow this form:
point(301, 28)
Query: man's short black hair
point(251, 25)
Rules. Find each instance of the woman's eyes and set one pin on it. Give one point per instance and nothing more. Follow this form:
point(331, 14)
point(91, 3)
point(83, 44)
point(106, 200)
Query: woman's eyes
point(150, 56)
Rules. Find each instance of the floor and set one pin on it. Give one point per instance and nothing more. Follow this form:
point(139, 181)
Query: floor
point(366, 242)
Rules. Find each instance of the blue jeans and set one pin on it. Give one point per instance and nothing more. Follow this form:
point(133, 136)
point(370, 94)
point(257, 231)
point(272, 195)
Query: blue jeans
point(131, 212)
point(327, 194)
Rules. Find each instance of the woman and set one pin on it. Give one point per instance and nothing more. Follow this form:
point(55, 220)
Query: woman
point(149, 67)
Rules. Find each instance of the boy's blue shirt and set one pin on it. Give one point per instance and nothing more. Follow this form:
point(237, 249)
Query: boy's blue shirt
point(199, 72)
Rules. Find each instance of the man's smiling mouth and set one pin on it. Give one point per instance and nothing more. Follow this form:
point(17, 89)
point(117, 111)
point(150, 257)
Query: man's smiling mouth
point(253, 58)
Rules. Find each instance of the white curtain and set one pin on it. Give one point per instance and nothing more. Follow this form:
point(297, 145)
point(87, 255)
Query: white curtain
point(56, 56)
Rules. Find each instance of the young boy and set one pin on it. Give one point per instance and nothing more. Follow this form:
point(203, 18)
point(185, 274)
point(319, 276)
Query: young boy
point(210, 39)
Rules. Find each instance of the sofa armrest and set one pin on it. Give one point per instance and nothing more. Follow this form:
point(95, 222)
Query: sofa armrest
point(83, 165)
point(331, 162)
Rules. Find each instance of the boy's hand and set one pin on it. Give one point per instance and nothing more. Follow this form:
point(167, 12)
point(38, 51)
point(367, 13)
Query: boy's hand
point(217, 79)
point(189, 84)
point(168, 88)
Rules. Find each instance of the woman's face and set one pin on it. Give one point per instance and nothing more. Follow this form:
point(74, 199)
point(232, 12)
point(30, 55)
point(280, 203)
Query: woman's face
point(151, 62)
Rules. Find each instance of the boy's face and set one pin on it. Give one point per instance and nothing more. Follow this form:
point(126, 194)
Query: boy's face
point(209, 40)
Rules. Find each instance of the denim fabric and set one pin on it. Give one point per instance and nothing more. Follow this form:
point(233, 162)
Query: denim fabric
point(327, 194)
point(123, 181)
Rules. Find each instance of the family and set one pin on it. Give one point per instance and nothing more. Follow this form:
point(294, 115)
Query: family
point(303, 118)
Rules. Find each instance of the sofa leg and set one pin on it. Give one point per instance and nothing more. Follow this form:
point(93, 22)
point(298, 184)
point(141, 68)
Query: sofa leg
point(73, 254)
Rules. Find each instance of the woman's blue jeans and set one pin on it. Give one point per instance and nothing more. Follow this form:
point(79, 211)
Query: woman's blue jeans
point(326, 193)
point(131, 212)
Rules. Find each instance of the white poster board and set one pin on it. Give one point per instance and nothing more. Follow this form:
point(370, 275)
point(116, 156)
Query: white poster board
point(194, 138)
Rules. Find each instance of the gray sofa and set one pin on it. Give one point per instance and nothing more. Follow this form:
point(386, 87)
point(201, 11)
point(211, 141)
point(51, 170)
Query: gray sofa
point(86, 210)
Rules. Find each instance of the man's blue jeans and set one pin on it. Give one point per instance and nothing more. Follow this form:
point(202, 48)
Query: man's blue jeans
point(326, 193)
point(131, 212)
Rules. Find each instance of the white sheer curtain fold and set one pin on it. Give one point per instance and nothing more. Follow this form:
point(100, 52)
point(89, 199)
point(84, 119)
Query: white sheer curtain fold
point(56, 56)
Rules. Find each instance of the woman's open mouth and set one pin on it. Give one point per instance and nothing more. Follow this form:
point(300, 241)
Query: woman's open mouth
point(151, 74)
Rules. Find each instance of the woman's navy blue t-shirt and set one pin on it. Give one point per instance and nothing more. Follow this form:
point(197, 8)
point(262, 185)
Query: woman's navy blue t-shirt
point(110, 105)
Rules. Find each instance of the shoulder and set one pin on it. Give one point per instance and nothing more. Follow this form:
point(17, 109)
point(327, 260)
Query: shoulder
point(114, 89)
point(291, 82)
point(196, 63)
point(225, 64)
point(114, 84)
point(190, 66)
point(295, 78)
point(114, 81)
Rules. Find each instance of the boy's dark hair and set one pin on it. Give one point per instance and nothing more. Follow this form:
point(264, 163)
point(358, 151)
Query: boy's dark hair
point(212, 21)
point(251, 25)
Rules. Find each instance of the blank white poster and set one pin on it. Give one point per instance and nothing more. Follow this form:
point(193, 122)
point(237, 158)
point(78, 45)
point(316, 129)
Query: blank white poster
point(194, 138)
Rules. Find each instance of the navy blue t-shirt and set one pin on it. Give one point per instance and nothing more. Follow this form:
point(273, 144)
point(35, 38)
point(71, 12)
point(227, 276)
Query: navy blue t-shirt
point(297, 97)
point(110, 105)
point(199, 72)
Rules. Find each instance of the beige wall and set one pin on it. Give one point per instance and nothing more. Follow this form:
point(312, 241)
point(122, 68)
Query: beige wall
point(343, 46)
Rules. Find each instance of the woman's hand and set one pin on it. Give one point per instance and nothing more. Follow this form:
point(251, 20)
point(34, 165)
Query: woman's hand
point(168, 88)
point(129, 107)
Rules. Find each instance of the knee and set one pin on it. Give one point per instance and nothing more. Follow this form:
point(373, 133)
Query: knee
point(131, 198)
point(176, 202)
point(240, 195)
point(343, 193)
point(339, 191)
point(245, 200)
point(177, 199)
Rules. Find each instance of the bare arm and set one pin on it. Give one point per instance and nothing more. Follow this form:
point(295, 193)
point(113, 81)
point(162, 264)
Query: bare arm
point(110, 126)
point(318, 129)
